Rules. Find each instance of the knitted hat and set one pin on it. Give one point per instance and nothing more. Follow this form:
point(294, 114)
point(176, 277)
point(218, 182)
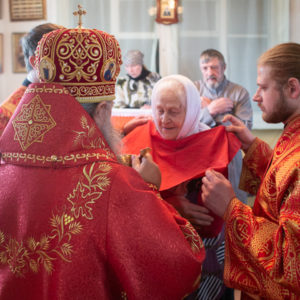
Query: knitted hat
point(133, 57)
point(85, 61)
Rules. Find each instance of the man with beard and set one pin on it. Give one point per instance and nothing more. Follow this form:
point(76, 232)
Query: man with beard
point(74, 222)
point(263, 243)
point(219, 97)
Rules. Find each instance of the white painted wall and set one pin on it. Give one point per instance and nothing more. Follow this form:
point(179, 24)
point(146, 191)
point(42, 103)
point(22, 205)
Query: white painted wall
point(295, 21)
point(9, 81)
point(258, 123)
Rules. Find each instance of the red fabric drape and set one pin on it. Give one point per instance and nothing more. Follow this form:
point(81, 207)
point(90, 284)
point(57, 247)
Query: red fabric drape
point(184, 159)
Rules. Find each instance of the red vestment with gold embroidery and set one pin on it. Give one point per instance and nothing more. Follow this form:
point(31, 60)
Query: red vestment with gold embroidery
point(76, 224)
point(263, 243)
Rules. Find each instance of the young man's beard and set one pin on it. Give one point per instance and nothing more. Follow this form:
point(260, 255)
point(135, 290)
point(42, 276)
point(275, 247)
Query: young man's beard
point(281, 111)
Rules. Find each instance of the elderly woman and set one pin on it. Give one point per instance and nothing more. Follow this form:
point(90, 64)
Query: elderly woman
point(184, 148)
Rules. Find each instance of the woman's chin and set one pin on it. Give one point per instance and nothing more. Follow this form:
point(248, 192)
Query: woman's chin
point(168, 135)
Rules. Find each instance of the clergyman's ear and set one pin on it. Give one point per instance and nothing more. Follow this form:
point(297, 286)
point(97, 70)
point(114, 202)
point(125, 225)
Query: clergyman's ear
point(101, 114)
point(100, 109)
point(101, 106)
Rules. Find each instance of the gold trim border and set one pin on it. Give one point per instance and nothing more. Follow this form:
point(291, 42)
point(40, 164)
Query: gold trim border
point(64, 90)
point(44, 89)
point(59, 159)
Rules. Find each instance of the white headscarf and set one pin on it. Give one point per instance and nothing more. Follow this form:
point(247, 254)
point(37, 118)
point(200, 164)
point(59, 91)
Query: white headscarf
point(192, 122)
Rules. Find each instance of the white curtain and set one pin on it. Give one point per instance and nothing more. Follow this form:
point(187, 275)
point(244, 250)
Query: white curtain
point(240, 29)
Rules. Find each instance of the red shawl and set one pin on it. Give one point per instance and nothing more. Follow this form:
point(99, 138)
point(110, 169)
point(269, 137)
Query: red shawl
point(186, 159)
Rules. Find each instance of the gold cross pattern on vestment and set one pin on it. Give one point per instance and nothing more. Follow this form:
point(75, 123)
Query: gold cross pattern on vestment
point(80, 12)
point(32, 122)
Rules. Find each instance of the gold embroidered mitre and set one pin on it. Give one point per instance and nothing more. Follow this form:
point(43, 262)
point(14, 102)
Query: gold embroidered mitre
point(85, 61)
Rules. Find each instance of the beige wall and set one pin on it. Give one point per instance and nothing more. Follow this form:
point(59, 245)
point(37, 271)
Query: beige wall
point(9, 81)
point(295, 20)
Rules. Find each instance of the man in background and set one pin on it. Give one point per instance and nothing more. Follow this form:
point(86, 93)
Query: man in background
point(263, 242)
point(219, 97)
point(29, 44)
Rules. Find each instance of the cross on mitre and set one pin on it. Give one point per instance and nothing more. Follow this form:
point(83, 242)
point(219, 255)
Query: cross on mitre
point(80, 12)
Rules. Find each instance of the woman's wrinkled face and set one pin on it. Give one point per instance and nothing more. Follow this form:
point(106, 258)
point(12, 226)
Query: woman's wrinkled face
point(170, 110)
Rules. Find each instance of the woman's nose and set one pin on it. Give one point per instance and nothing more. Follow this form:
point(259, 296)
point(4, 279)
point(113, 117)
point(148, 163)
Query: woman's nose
point(164, 117)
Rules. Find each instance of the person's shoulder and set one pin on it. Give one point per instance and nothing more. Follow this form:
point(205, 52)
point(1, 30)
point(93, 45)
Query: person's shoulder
point(198, 83)
point(14, 98)
point(236, 86)
point(121, 80)
point(237, 90)
point(291, 135)
point(154, 76)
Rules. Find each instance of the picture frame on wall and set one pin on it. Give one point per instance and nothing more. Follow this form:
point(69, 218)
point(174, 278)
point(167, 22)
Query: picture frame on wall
point(27, 10)
point(17, 53)
point(1, 53)
point(167, 12)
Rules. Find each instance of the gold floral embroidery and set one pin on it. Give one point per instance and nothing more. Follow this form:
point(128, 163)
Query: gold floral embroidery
point(86, 137)
point(32, 122)
point(84, 196)
point(32, 254)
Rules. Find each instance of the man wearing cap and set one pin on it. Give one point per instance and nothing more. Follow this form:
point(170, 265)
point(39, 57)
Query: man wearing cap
point(74, 222)
point(135, 89)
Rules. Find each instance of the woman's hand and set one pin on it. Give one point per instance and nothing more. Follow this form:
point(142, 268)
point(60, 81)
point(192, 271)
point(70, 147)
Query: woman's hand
point(135, 122)
point(196, 214)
